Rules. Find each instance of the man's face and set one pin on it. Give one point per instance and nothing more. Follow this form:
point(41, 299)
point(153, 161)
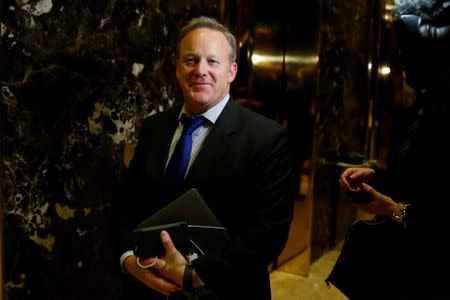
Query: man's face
point(204, 69)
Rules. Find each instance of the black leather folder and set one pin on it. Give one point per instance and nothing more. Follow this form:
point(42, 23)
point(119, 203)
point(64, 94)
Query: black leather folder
point(189, 221)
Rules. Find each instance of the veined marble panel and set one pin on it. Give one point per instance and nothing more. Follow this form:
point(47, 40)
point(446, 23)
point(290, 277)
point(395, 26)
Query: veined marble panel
point(77, 78)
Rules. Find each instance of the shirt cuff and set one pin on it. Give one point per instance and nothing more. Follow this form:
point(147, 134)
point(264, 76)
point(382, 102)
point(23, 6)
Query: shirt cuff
point(123, 257)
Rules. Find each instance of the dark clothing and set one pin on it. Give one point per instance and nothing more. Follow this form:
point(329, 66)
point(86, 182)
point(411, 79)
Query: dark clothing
point(243, 171)
point(419, 174)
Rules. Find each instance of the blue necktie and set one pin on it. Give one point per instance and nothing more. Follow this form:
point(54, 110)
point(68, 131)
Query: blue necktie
point(176, 169)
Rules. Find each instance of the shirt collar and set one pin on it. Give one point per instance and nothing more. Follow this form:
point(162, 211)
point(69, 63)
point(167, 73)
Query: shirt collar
point(213, 113)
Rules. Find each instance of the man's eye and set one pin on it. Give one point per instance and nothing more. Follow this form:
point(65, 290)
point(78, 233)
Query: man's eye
point(189, 61)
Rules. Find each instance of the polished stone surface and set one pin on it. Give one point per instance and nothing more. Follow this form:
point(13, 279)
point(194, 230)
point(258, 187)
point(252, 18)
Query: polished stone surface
point(76, 80)
point(342, 107)
point(287, 283)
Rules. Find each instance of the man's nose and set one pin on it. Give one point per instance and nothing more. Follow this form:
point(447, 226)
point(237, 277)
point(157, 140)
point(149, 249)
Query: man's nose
point(201, 68)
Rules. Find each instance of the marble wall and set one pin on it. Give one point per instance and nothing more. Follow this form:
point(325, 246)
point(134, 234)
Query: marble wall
point(348, 42)
point(76, 80)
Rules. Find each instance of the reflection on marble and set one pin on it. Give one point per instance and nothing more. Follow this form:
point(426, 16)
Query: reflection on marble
point(286, 285)
point(77, 78)
point(342, 106)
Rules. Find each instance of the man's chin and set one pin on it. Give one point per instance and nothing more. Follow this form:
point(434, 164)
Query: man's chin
point(199, 97)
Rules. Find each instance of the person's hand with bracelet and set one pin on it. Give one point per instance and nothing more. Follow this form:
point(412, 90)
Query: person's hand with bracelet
point(399, 214)
point(383, 205)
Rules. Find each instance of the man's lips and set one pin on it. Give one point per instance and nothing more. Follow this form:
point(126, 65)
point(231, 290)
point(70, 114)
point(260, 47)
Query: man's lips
point(200, 84)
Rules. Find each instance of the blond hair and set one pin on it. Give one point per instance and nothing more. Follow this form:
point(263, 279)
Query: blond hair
point(209, 23)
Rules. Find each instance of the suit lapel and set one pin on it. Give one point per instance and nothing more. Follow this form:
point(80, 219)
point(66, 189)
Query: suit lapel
point(164, 138)
point(216, 142)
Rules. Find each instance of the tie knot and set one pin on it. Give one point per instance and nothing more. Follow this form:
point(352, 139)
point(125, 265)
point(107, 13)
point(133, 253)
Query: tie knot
point(191, 124)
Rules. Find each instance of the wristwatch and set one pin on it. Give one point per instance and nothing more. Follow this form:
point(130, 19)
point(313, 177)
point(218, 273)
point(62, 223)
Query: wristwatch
point(187, 278)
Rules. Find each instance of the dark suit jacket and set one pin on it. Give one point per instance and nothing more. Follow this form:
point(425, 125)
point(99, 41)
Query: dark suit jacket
point(243, 171)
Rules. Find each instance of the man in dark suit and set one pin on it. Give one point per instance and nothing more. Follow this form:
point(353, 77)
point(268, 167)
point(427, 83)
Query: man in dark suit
point(240, 163)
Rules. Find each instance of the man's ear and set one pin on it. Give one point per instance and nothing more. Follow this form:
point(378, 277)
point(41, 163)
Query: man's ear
point(233, 72)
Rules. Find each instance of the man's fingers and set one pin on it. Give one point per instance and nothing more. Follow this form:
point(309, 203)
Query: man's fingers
point(167, 242)
point(160, 264)
point(147, 262)
point(156, 282)
point(152, 262)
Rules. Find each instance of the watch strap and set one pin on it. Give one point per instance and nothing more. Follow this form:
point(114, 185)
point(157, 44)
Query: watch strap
point(187, 278)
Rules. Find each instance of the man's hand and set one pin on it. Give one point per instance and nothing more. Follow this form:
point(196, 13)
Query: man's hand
point(175, 262)
point(149, 276)
point(164, 274)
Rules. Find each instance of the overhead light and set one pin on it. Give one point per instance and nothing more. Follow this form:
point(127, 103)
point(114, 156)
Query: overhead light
point(385, 70)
